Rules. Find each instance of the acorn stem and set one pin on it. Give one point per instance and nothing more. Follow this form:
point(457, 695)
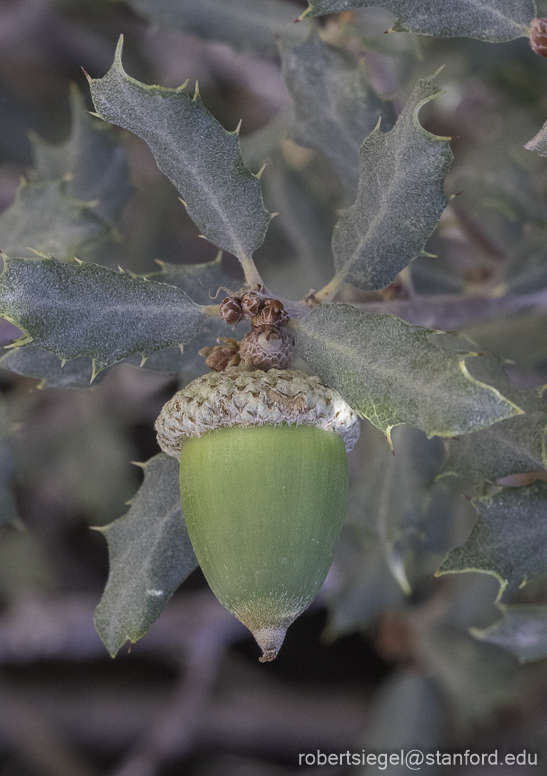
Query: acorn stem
point(270, 641)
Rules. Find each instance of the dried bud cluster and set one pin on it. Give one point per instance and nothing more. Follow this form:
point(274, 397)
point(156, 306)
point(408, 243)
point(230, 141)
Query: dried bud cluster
point(267, 346)
point(538, 36)
point(250, 304)
point(230, 310)
point(221, 356)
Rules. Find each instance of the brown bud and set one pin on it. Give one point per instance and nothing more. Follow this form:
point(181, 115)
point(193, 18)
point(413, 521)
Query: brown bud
point(272, 314)
point(267, 348)
point(220, 357)
point(230, 310)
point(250, 304)
point(538, 36)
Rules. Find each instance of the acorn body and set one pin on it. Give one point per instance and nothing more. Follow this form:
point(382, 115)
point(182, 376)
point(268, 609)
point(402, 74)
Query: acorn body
point(265, 551)
point(264, 485)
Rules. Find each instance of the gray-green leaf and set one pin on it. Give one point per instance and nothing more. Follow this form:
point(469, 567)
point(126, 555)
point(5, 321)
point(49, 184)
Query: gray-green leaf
point(87, 310)
point(42, 365)
point(196, 153)
point(44, 218)
point(491, 20)
point(396, 497)
point(247, 25)
point(150, 556)
point(509, 539)
point(92, 161)
point(399, 201)
point(200, 281)
point(513, 446)
point(522, 631)
point(335, 107)
point(392, 373)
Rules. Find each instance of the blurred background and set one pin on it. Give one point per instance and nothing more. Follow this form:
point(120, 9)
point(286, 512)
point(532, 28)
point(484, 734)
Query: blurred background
point(384, 659)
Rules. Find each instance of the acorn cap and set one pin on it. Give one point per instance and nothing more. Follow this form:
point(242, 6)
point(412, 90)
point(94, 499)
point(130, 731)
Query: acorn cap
point(254, 398)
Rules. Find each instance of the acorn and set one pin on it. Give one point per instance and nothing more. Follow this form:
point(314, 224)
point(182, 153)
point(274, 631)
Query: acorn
point(264, 486)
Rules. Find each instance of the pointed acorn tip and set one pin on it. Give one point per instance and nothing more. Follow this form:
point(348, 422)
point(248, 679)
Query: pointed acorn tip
point(269, 640)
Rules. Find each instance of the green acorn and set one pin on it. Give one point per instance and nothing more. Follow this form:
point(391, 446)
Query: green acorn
point(264, 484)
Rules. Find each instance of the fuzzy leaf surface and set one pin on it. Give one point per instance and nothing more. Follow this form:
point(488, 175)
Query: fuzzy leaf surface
point(150, 556)
point(391, 373)
point(522, 631)
point(44, 218)
point(42, 365)
point(491, 20)
point(509, 539)
point(92, 161)
point(200, 281)
point(77, 310)
point(513, 446)
point(399, 201)
point(246, 25)
point(335, 107)
point(196, 153)
point(197, 280)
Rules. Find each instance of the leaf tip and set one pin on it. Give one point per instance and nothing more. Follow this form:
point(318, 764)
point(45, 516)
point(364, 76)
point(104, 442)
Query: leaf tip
point(119, 50)
point(258, 176)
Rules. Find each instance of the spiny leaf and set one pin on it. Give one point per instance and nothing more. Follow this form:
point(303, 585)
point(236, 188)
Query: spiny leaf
point(522, 631)
point(390, 372)
point(399, 201)
point(334, 105)
point(150, 556)
point(513, 446)
point(87, 310)
point(200, 281)
point(247, 25)
point(31, 361)
point(492, 20)
point(397, 498)
point(198, 156)
point(92, 161)
point(509, 539)
point(45, 219)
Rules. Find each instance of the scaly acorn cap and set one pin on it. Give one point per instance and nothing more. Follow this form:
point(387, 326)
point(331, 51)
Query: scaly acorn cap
point(264, 487)
point(237, 397)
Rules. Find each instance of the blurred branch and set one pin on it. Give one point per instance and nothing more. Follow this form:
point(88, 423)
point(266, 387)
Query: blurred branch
point(452, 311)
point(174, 731)
point(28, 733)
